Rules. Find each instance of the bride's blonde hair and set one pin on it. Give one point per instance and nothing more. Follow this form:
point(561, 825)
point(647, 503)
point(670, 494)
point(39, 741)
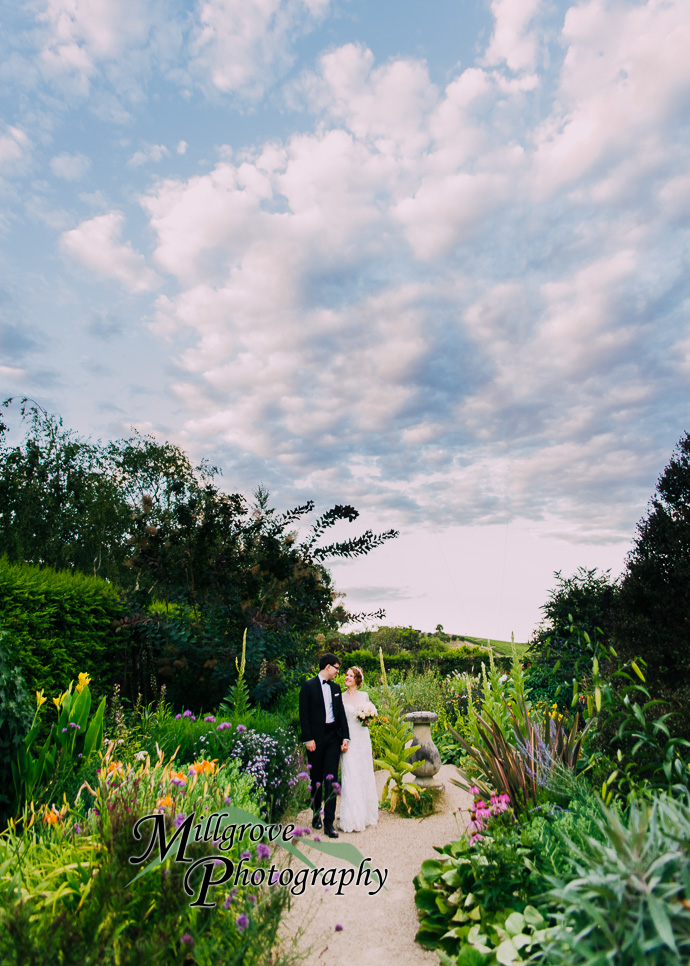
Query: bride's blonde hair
point(358, 673)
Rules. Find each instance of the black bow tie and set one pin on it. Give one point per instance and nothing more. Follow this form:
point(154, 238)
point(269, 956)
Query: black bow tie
point(325, 682)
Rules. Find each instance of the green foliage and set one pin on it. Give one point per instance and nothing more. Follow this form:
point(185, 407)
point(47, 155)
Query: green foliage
point(15, 721)
point(636, 729)
point(467, 897)
point(139, 513)
point(71, 742)
point(61, 624)
point(400, 791)
point(236, 704)
point(654, 603)
point(627, 901)
point(578, 621)
point(515, 749)
point(66, 894)
point(457, 659)
point(415, 691)
point(58, 505)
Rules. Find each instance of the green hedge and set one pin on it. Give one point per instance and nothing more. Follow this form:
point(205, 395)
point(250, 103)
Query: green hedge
point(458, 659)
point(60, 624)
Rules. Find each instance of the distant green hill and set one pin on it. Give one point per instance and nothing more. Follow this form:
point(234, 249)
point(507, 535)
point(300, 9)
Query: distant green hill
point(500, 647)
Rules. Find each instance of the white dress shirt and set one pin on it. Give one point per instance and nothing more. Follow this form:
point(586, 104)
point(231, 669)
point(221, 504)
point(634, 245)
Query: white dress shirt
point(327, 700)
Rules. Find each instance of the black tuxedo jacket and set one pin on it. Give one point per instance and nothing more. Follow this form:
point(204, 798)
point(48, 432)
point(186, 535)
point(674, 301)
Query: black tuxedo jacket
point(312, 712)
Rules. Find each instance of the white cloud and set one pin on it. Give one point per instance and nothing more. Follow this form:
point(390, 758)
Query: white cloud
point(512, 41)
point(240, 46)
point(96, 245)
point(626, 74)
point(70, 167)
point(15, 150)
point(152, 152)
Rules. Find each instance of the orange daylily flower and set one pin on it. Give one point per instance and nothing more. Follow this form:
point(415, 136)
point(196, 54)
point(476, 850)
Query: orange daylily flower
point(166, 802)
point(204, 767)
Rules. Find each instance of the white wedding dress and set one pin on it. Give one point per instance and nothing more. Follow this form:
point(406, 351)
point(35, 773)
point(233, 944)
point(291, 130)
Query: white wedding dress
point(359, 801)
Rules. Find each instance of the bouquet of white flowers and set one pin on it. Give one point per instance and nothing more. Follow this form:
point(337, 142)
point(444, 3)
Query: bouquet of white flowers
point(366, 712)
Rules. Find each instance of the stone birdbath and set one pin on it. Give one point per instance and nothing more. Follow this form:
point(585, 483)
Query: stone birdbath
point(427, 755)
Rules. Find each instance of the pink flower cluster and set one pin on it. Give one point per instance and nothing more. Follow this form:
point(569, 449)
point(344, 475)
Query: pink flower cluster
point(481, 813)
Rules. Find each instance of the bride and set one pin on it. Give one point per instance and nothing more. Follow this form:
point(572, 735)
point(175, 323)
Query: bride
point(359, 802)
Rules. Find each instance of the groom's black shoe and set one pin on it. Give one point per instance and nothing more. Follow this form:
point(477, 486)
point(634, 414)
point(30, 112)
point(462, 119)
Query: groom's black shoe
point(330, 832)
point(316, 821)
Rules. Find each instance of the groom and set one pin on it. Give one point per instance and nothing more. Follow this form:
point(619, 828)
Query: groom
point(325, 733)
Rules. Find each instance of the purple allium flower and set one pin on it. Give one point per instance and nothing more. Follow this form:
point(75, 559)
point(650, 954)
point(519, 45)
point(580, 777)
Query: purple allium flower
point(209, 717)
point(252, 899)
point(179, 820)
point(242, 922)
point(187, 714)
point(273, 878)
point(64, 730)
point(317, 838)
point(338, 927)
point(228, 902)
point(166, 871)
point(228, 800)
point(177, 717)
point(329, 778)
point(302, 774)
point(80, 755)
point(187, 940)
point(246, 855)
point(224, 725)
point(241, 727)
point(262, 850)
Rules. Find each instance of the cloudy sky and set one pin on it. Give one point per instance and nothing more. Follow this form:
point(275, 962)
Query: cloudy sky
point(430, 259)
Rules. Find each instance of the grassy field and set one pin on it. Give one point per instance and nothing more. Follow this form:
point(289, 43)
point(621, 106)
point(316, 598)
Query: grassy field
point(499, 647)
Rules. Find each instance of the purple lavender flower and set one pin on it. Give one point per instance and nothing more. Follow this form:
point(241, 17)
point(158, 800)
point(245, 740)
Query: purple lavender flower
point(252, 899)
point(228, 902)
point(228, 800)
point(77, 828)
point(187, 940)
point(262, 850)
point(246, 855)
point(242, 922)
point(179, 820)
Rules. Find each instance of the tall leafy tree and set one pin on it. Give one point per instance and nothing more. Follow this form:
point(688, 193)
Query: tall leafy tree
point(198, 565)
point(654, 604)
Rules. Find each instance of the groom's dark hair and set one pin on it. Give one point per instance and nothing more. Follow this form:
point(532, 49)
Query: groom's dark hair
point(327, 659)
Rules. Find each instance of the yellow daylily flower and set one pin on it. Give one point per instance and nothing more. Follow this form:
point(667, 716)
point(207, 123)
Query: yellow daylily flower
point(84, 680)
point(40, 698)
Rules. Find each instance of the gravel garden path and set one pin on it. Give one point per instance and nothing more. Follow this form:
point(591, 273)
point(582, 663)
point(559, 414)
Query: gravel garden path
point(377, 930)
